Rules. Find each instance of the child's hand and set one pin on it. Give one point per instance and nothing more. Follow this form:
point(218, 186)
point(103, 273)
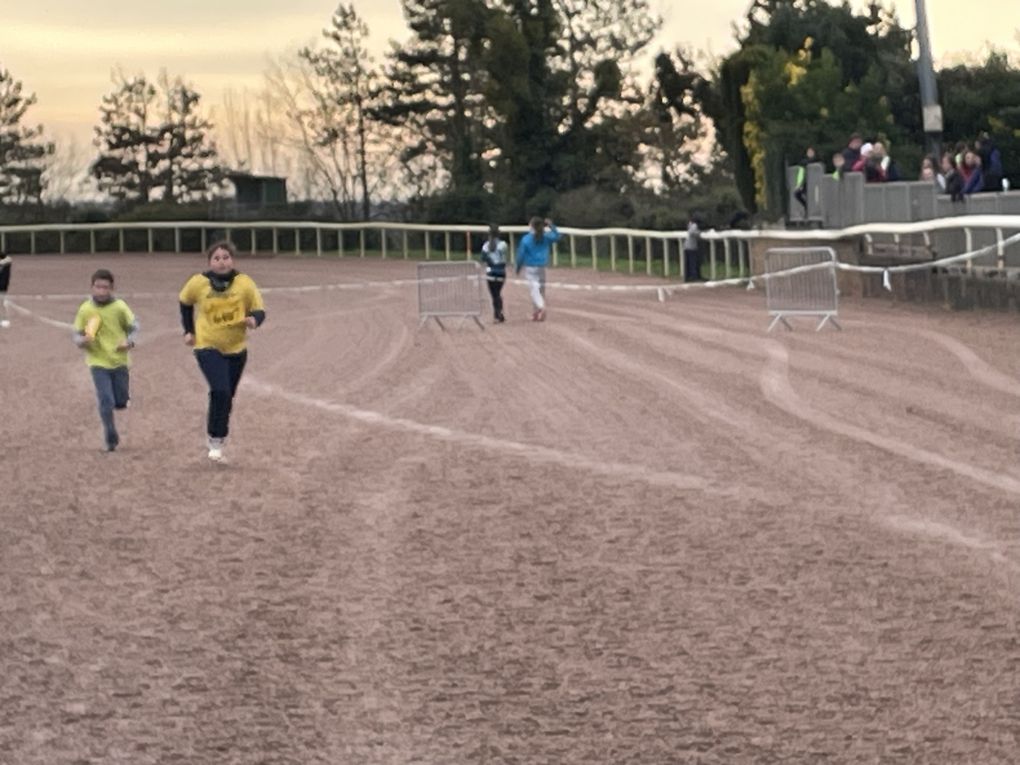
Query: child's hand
point(189, 339)
point(125, 345)
point(250, 323)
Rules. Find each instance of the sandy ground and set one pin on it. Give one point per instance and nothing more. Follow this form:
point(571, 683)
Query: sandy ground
point(639, 532)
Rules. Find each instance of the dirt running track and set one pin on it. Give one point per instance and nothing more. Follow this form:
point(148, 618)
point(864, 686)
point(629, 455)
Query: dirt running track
point(640, 532)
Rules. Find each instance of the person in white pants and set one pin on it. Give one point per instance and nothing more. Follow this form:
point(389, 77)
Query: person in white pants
point(533, 258)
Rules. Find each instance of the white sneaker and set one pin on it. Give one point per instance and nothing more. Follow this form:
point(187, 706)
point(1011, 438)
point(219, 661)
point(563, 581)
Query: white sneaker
point(216, 450)
point(4, 324)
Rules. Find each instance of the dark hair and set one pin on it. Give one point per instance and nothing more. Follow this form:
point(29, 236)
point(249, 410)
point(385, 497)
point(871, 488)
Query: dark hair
point(103, 274)
point(494, 230)
point(536, 222)
point(222, 244)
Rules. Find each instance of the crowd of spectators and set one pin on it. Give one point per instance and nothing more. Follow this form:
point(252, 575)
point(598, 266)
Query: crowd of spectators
point(963, 170)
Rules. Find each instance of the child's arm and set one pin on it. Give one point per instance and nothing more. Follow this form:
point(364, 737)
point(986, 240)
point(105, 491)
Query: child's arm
point(132, 336)
point(81, 339)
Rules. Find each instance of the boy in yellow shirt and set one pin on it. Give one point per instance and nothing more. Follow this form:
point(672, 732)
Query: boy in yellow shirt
point(105, 328)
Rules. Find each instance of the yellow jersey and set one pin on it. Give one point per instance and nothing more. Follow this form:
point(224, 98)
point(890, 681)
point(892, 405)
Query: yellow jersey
point(115, 321)
point(220, 316)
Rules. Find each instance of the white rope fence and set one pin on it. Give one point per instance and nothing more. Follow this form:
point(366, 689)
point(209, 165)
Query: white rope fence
point(998, 223)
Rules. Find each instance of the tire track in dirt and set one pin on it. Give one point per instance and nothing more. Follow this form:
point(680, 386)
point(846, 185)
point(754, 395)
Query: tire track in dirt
point(527, 452)
point(958, 411)
point(776, 387)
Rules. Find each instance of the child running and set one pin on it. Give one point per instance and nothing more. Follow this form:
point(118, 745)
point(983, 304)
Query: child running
point(228, 304)
point(105, 328)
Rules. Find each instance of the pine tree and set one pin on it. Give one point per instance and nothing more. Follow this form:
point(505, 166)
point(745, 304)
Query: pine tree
point(23, 154)
point(153, 143)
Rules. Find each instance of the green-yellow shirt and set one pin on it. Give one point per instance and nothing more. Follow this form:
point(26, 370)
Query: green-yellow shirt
point(220, 316)
point(116, 321)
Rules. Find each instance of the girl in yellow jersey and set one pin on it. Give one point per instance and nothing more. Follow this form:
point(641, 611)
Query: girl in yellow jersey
point(218, 307)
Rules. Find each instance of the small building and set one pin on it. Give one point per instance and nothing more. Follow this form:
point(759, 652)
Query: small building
point(254, 192)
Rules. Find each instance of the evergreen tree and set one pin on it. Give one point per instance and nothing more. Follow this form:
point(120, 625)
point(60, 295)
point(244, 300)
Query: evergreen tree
point(153, 143)
point(23, 153)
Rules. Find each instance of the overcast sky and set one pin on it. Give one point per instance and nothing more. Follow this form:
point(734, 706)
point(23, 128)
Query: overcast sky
point(64, 50)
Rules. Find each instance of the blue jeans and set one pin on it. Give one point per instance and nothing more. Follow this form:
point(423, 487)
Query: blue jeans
point(111, 393)
point(223, 373)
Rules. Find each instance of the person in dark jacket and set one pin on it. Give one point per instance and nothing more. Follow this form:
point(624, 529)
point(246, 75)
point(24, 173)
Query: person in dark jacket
point(493, 257)
point(5, 281)
point(991, 162)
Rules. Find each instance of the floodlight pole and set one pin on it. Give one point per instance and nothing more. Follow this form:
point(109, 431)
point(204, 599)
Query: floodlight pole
point(931, 110)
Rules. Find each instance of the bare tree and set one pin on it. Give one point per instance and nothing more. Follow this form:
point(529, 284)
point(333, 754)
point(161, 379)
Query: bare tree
point(322, 136)
point(251, 132)
point(66, 176)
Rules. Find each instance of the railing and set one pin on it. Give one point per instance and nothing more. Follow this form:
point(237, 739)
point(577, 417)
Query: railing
point(833, 202)
point(615, 249)
point(627, 250)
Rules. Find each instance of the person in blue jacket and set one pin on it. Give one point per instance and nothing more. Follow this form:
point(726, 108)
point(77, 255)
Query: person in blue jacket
point(533, 257)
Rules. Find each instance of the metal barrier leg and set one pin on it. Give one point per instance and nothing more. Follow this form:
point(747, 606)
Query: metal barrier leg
point(779, 318)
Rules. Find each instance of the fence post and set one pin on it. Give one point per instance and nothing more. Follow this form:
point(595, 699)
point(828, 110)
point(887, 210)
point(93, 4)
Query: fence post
point(428, 245)
point(318, 241)
point(728, 256)
point(31, 243)
point(92, 241)
point(612, 253)
point(297, 241)
point(447, 241)
point(404, 232)
point(665, 257)
point(594, 254)
point(969, 239)
point(711, 259)
point(63, 244)
point(120, 238)
point(177, 239)
point(254, 240)
point(630, 252)
point(1000, 262)
point(361, 239)
point(276, 240)
point(573, 251)
point(339, 242)
point(648, 255)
